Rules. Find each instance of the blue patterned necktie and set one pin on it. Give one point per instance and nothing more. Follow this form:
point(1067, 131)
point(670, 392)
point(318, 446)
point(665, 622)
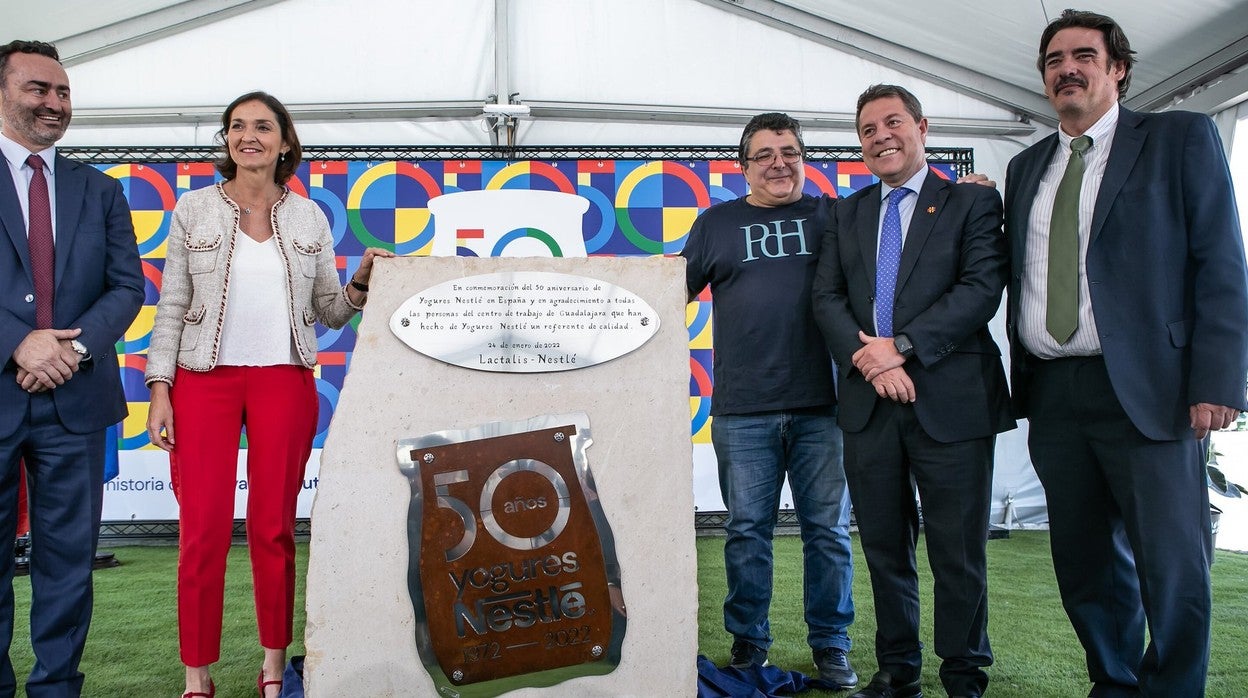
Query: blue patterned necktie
point(887, 262)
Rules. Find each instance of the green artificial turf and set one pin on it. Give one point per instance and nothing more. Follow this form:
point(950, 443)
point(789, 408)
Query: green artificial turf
point(133, 646)
point(1037, 654)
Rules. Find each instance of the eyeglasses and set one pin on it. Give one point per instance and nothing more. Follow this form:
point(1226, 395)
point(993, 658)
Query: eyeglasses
point(767, 157)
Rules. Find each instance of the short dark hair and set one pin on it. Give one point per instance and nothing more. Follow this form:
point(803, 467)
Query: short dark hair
point(771, 121)
point(41, 48)
point(875, 92)
point(1116, 43)
point(286, 125)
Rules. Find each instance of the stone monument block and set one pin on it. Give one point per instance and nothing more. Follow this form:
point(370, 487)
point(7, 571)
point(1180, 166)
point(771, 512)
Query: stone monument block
point(505, 501)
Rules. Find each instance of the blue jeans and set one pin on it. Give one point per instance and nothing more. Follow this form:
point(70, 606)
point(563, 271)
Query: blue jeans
point(755, 452)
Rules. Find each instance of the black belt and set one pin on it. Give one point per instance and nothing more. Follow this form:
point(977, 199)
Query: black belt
point(1039, 362)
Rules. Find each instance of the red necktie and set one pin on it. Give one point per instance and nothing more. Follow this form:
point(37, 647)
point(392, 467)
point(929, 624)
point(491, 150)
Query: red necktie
point(39, 238)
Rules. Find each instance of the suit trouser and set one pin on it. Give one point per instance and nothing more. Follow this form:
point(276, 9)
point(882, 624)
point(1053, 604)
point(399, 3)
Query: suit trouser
point(65, 474)
point(1129, 527)
point(278, 407)
point(883, 463)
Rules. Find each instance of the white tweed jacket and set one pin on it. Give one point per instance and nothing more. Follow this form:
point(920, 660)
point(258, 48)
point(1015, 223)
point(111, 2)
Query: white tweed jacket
point(191, 311)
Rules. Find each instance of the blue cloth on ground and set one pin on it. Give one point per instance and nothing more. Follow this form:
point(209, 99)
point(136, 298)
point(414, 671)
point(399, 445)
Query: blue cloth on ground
point(755, 682)
point(292, 678)
point(713, 682)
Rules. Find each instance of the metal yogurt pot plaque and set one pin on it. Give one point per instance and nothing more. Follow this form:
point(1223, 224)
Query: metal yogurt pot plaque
point(513, 574)
point(525, 322)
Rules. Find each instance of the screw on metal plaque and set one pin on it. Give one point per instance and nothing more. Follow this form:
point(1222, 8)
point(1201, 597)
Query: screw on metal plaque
point(512, 571)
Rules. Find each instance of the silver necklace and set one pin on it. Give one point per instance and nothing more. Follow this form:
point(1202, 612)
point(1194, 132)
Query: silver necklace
point(245, 209)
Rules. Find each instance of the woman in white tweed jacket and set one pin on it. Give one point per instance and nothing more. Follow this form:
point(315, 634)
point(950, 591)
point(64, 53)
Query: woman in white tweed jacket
point(233, 346)
point(194, 290)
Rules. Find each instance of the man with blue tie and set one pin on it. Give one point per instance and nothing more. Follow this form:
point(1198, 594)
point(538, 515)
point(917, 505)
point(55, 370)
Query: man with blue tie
point(70, 285)
point(911, 271)
point(1128, 323)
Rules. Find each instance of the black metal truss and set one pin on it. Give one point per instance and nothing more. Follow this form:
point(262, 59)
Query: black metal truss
point(152, 531)
point(117, 532)
point(712, 523)
point(961, 158)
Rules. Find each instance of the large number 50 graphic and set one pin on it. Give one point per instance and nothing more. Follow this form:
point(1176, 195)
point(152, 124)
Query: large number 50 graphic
point(485, 509)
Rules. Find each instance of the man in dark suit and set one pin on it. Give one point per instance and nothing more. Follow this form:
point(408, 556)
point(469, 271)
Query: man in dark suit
point(70, 284)
point(1128, 322)
point(910, 273)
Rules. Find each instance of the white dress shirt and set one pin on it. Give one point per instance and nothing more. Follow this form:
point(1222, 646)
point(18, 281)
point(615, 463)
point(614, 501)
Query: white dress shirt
point(15, 155)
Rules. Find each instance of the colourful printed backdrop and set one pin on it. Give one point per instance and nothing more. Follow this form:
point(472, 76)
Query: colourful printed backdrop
point(637, 207)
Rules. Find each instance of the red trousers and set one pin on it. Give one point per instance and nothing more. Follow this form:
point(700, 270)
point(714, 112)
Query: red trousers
point(278, 406)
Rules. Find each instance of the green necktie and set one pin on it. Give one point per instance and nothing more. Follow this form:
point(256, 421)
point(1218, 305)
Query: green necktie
point(1062, 316)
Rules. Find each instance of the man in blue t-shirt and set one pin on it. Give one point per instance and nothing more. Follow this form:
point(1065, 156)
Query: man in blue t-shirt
point(775, 403)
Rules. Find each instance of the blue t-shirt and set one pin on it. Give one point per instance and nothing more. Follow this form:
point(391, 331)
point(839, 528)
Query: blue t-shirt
point(760, 263)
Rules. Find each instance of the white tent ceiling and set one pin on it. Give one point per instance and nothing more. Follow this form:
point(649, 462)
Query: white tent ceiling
point(1181, 46)
point(653, 71)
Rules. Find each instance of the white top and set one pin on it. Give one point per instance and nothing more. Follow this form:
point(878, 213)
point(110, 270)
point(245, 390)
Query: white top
point(256, 327)
point(1035, 292)
point(15, 155)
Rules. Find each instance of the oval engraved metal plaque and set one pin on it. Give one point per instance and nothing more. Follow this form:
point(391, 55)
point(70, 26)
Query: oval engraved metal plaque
point(525, 322)
point(513, 573)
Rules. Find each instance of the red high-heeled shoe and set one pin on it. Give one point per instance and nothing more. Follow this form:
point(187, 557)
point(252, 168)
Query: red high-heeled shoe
point(212, 692)
point(261, 683)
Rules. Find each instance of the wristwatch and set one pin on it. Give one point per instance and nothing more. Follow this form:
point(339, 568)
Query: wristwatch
point(80, 349)
point(904, 347)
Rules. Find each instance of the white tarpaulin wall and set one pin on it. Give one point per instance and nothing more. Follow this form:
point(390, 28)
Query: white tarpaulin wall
point(597, 72)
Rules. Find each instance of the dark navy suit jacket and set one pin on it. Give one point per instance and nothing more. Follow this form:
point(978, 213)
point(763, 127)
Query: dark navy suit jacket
point(99, 287)
point(949, 284)
point(1165, 267)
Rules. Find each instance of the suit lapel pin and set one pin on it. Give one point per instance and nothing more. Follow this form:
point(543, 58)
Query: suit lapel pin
point(931, 209)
